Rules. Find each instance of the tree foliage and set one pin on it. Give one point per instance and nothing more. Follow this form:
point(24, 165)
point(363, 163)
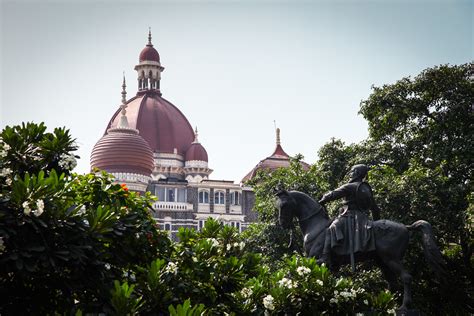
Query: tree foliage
point(64, 237)
point(420, 150)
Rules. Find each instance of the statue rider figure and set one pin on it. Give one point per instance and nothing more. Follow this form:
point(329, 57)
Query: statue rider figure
point(351, 231)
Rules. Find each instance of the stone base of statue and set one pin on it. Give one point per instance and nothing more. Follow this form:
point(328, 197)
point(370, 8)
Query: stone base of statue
point(407, 312)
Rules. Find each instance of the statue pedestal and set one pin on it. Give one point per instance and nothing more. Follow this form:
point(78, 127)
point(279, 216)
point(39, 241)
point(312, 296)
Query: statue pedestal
point(407, 312)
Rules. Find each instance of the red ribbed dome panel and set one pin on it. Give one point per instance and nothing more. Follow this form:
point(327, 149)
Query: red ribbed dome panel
point(196, 152)
point(122, 150)
point(160, 123)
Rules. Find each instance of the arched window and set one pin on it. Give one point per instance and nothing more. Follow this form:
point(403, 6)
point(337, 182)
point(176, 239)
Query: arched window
point(204, 197)
point(235, 198)
point(219, 197)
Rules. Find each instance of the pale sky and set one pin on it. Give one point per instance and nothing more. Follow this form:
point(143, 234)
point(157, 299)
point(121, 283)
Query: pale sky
point(232, 67)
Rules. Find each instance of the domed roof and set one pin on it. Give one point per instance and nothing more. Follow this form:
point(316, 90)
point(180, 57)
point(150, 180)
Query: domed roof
point(196, 152)
point(149, 53)
point(160, 123)
point(279, 159)
point(123, 150)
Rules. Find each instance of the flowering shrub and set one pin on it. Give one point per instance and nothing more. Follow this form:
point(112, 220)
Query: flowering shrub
point(64, 238)
point(304, 288)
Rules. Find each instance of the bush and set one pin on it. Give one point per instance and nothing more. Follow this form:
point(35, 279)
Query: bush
point(64, 237)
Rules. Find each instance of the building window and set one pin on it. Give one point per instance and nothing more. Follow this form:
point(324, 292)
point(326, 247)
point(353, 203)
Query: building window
point(182, 195)
point(219, 197)
point(237, 225)
point(204, 197)
point(235, 198)
point(170, 195)
point(160, 194)
point(167, 227)
point(201, 224)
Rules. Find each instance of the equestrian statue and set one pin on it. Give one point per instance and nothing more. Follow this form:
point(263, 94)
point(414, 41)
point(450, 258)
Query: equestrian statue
point(352, 236)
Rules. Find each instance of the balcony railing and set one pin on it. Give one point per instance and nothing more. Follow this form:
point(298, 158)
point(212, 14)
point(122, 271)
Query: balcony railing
point(172, 206)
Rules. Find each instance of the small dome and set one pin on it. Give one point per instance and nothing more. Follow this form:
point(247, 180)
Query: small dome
point(149, 53)
point(123, 150)
point(196, 152)
point(279, 159)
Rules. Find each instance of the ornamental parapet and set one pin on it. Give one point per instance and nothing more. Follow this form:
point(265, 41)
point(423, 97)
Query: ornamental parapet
point(130, 177)
point(172, 206)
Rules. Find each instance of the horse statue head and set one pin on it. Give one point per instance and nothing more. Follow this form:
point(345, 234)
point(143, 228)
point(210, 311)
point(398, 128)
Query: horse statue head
point(286, 205)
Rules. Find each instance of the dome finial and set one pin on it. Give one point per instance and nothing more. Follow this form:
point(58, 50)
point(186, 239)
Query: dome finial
point(123, 119)
point(278, 136)
point(124, 91)
point(196, 135)
point(149, 36)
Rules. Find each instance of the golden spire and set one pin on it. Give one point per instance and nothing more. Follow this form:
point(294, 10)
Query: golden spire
point(278, 136)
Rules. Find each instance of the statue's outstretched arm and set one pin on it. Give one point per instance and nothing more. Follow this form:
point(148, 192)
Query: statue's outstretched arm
point(334, 195)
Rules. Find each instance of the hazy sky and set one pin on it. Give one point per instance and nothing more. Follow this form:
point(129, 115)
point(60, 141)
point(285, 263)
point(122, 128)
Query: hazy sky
point(231, 67)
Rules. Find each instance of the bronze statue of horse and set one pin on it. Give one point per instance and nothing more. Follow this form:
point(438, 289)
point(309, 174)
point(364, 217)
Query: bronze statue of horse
point(391, 240)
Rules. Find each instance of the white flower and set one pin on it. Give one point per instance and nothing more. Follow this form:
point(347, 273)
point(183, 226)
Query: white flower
point(213, 242)
point(67, 161)
point(366, 302)
point(8, 181)
point(246, 292)
point(6, 172)
point(26, 208)
point(242, 245)
point(303, 271)
point(40, 208)
point(268, 302)
point(228, 247)
point(319, 282)
point(333, 300)
point(6, 147)
point(171, 268)
point(287, 283)
point(2, 245)
point(346, 294)
point(391, 311)
point(107, 266)
point(236, 244)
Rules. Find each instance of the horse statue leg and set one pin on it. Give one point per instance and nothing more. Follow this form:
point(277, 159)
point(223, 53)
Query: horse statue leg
point(391, 241)
point(397, 267)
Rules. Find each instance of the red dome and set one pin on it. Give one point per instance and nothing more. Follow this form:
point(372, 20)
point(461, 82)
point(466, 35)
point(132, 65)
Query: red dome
point(123, 150)
point(149, 53)
point(160, 123)
point(196, 152)
point(279, 159)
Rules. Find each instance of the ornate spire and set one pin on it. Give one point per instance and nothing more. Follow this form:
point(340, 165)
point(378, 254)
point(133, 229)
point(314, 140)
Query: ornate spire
point(149, 37)
point(123, 119)
point(124, 92)
point(196, 135)
point(278, 136)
